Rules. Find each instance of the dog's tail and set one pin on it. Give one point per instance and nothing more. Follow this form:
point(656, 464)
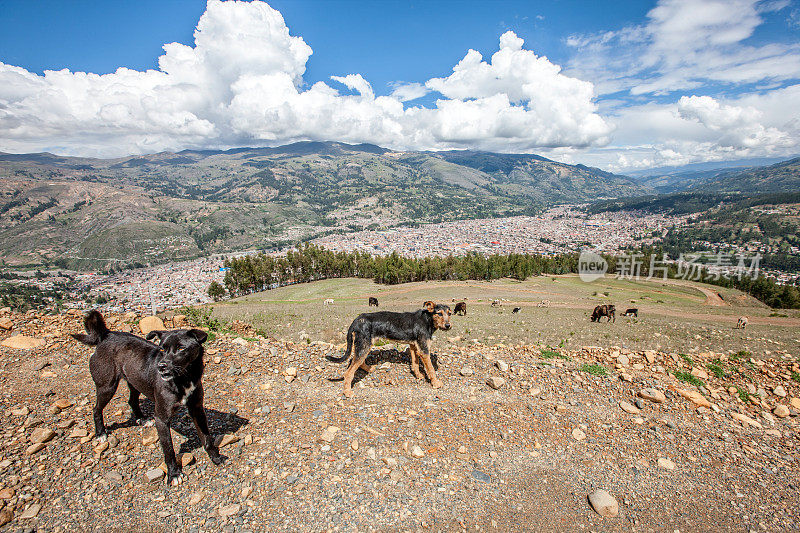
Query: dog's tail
point(95, 327)
point(347, 353)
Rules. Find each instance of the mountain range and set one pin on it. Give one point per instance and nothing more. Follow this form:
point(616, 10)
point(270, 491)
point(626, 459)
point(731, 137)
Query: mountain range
point(84, 212)
point(80, 212)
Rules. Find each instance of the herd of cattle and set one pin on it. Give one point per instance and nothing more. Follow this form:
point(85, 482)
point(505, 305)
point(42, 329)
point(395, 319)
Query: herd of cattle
point(605, 310)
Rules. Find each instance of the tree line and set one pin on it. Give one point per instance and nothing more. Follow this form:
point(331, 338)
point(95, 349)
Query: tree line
point(307, 262)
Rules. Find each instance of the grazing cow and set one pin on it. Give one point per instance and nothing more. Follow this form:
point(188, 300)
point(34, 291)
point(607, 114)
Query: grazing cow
point(741, 323)
point(543, 303)
point(631, 312)
point(516, 310)
point(373, 301)
point(460, 309)
point(329, 301)
point(496, 303)
point(605, 310)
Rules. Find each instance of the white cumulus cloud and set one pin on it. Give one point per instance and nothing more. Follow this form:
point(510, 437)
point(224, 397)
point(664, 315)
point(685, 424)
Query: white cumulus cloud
point(241, 83)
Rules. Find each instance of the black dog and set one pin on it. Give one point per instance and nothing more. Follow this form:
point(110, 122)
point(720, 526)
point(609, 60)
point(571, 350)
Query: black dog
point(415, 328)
point(170, 375)
point(460, 309)
point(373, 301)
point(516, 310)
point(631, 312)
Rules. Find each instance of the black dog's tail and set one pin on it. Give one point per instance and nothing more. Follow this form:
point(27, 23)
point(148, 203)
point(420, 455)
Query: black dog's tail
point(347, 353)
point(95, 327)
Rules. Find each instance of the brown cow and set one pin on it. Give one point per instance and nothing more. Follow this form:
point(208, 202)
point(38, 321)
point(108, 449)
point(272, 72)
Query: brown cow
point(607, 310)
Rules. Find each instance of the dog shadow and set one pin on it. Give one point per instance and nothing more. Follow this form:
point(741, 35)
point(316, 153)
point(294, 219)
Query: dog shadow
point(395, 356)
point(219, 423)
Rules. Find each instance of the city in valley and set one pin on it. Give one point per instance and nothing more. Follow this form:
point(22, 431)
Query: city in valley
point(558, 230)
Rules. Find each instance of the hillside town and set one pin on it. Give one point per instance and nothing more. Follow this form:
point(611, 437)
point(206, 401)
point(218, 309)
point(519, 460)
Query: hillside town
point(558, 230)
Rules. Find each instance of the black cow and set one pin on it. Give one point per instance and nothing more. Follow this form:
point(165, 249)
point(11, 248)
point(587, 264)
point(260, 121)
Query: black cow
point(373, 301)
point(607, 310)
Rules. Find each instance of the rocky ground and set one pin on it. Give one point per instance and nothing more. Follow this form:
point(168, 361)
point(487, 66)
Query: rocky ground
point(518, 438)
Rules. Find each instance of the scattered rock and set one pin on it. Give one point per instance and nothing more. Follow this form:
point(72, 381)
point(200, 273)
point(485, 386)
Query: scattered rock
point(628, 408)
point(653, 395)
point(417, 452)
point(495, 382)
point(153, 475)
point(226, 439)
point(665, 463)
point(695, 397)
point(22, 342)
point(466, 371)
point(6, 323)
point(34, 448)
point(746, 420)
point(150, 323)
point(42, 434)
point(329, 434)
point(604, 503)
point(229, 510)
point(502, 366)
point(781, 411)
point(149, 436)
point(30, 512)
point(6, 516)
point(779, 391)
point(578, 434)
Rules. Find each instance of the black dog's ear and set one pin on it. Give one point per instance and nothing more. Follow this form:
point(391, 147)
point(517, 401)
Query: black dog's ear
point(155, 334)
point(199, 334)
point(429, 306)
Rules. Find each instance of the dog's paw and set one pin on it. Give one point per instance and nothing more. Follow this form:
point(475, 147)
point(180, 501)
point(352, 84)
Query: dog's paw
point(101, 438)
point(437, 384)
point(217, 459)
point(176, 479)
point(348, 393)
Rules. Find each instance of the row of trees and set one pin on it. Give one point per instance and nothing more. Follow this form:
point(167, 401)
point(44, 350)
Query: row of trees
point(254, 273)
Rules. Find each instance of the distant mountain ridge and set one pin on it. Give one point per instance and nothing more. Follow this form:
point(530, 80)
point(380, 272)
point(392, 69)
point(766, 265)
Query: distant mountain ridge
point(83, 211)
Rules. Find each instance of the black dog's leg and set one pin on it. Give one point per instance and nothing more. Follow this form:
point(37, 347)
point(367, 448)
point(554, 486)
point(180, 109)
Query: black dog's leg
point(198, 414)
point(174, 474)
point(104, 395)
point(136, 413)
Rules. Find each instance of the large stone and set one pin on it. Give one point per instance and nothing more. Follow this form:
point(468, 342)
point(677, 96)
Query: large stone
point(746, 420)
point(229, 510)
point(6, 323)
point(781, 411)
point(42, 434)
point(779, 391)
point(650, 356)
point(30, 512)
point(329, 434)
point(628, 408)
point(665, 463)
point(154, 474)
point(22, 342)
point(653, 395)
point(699, 373)
point(604, 503)
point(695, 397)
point(495, 382)
point(466, 371)
point(502, 366)
point(151, 323)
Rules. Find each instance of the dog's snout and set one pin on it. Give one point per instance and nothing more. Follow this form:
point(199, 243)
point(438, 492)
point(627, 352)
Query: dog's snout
point(162, 366)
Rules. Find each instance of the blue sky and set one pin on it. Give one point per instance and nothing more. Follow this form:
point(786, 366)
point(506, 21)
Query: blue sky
point(621, 85)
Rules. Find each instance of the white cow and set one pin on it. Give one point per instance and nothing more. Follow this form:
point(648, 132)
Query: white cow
point(329, 301)
point(742, 323)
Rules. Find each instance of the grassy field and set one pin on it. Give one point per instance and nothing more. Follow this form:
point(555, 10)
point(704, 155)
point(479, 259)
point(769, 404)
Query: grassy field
point(673, 315)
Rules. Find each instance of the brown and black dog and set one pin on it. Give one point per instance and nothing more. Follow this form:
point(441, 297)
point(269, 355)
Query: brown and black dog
point(460, 309)
point(415, 328)
point(169, 374)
